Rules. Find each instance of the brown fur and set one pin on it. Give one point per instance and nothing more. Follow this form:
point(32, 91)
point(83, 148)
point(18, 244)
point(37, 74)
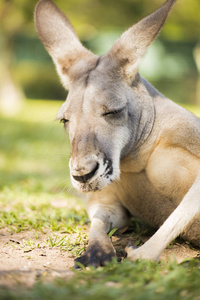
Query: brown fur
point(133, 150)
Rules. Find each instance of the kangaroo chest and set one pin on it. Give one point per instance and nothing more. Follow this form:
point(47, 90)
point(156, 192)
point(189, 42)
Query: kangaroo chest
point(142, 199)
point(152, 186)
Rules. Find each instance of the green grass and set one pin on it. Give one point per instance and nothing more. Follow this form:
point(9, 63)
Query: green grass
point(140, 280)
point(35, 188)
point(34, 185)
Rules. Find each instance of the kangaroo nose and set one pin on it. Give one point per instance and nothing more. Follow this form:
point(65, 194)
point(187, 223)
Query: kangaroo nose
point(86, 177)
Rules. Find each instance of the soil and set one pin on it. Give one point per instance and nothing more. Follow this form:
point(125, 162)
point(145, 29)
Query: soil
point(21, 264)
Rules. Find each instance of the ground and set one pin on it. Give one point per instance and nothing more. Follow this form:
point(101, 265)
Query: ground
point(23, 262)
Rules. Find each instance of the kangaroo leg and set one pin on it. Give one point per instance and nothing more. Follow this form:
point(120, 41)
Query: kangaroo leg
point(100, 250)
point(192, 232)
point(175, 224)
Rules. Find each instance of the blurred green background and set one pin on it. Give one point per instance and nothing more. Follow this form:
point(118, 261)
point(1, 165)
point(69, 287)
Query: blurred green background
point(171, 63)
point(33, 148)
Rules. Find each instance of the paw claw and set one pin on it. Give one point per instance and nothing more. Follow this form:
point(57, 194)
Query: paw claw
point(76, 267)
point(130, 246)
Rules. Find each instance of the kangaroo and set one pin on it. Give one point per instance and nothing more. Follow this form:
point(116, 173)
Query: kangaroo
point(133, 151)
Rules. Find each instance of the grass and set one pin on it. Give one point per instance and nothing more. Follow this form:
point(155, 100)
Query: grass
point(139, 280)
point(35, 194)
point(35, 189)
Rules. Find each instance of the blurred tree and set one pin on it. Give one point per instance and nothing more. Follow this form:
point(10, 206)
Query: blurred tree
point(15, 18)
point(197, 59)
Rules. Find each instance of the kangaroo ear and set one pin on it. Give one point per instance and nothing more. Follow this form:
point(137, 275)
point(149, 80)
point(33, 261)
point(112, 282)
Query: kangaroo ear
point(131, 46)
point(59, 38)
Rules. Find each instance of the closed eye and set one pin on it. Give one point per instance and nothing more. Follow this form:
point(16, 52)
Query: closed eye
point(63, 120)
point(113, 112)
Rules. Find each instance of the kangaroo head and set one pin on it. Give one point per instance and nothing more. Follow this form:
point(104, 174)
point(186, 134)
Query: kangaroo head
point(108, 111)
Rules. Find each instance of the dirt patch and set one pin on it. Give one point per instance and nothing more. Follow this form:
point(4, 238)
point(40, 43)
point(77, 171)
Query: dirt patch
point(25, 259)
point(18, 253)
point(178, 250)
point(24, 262)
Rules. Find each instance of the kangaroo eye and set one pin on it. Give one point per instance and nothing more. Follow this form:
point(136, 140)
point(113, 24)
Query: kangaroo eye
point(113, 112)
point(64, 121)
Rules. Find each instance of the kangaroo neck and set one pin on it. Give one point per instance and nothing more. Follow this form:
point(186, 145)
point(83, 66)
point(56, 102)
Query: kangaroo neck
point(143, 119)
